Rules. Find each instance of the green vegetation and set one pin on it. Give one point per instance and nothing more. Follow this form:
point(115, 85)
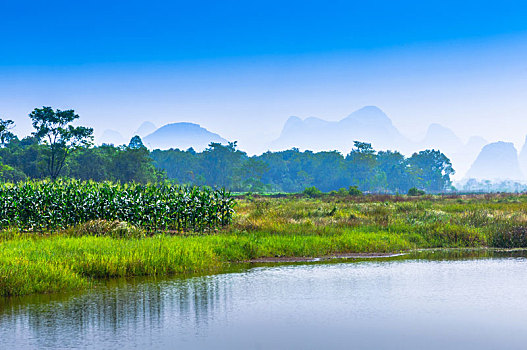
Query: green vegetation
point(354, 191)
point(416, 192)
point(264, 226)
point(293, 171)
point(58, 149)
point(312, 192)
point(62, 234)
point(54, 130)
point(46, 205)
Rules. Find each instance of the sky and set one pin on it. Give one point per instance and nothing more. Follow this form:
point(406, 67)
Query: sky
point(241, 68)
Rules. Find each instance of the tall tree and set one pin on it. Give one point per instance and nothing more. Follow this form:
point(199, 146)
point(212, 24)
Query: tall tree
point(433, 169)
point(362, 163)
point(5, 134)
point(221, 163)
point(54, 129)
point(136, 143)
point(397, 175)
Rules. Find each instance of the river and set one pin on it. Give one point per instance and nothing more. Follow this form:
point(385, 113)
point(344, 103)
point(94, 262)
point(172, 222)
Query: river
point(466, 301)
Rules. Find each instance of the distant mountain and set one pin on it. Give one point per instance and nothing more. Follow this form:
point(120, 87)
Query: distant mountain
point(182, 136)
point(112, 137)
point(442, 138)
point(475, 144)
point(496, 161)
point(523, 157)
point(368, 124)
point(465, 154)
point(145, 129)
point(371, 124)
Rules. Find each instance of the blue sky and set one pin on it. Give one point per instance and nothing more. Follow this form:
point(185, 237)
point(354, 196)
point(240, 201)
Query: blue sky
point(241, 68)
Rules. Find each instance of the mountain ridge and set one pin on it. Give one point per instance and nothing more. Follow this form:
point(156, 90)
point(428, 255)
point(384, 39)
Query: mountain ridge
point(182, 135)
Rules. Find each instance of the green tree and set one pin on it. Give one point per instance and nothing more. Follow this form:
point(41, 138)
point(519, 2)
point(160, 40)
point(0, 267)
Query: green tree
point(134, 164)
point(353, 191)
point(221, 164)
point(136, 143)
point(398, 177)
point(251, 173)
point(10, 174)
point(54, 129)
point(414, 191)
point(94, 163)
point(362, 165)
point(433, 170)
point(5, 134)
point(312, 192)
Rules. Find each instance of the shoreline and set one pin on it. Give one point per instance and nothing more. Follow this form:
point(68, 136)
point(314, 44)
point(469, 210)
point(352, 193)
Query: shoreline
point(380, 255)
point(212, 266)
point(286, 259)
point(266, 231)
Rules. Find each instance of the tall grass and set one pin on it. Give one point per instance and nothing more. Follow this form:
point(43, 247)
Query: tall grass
point(45, 205)
point(32, 265)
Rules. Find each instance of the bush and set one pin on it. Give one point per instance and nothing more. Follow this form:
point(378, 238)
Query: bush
point(509, 236)
point(312, 192)
point(342, 192)
point(354, 191)
point(414, 191)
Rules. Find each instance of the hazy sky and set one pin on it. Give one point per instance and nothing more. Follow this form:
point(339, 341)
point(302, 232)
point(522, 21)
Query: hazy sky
point(241, 68)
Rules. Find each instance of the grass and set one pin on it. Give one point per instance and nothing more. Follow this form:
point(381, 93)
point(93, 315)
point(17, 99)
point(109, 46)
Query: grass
point(292, 226)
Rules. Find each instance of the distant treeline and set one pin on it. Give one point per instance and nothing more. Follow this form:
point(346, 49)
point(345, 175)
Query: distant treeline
point(488, 186)
point(57, 149)
point(27, 158)
point(226, 166)
point(293, 171)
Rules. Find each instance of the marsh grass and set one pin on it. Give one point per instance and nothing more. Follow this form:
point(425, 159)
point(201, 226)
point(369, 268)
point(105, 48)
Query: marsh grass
point(293, 226)
point(104, 228)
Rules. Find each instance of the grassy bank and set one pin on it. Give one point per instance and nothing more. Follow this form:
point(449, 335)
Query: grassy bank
point(262, 227)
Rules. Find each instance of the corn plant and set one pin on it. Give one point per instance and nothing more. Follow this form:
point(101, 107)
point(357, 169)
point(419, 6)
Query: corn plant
point(45, 205)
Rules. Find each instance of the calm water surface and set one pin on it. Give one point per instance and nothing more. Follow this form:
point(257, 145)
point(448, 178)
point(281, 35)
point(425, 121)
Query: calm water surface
point(474, 303)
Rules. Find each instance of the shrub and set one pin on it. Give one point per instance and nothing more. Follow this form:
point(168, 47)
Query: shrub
point(342, 192)
point(354, 191)
point(414, 191)
point(312, 192)
point(509, 236)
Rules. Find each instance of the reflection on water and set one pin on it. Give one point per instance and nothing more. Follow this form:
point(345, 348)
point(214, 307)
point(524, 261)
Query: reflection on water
point(436, 301)
point(114, 312)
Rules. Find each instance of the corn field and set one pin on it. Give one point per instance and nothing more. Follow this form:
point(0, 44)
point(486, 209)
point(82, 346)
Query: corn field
point(45, 205)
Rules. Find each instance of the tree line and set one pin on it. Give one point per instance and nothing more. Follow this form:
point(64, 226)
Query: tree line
point(293, 170)
point(58, 149)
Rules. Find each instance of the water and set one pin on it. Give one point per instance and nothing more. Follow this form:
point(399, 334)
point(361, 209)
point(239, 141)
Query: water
point(475, 303)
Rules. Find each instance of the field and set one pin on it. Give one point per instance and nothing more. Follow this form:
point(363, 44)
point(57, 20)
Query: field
point(263, 226)
point(47, 205)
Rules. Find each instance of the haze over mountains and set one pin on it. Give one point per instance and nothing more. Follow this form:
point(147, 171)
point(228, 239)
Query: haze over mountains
point(475, 158)
point(145, 129)
point(368, 124)
point(371, 124)
point(498, 160)
point(182, 136)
